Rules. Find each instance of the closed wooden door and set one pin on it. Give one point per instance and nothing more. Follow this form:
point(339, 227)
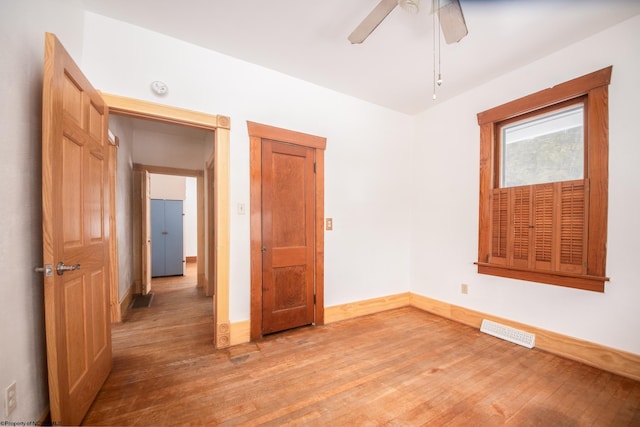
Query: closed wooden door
point(288, 193)
point(75, 200)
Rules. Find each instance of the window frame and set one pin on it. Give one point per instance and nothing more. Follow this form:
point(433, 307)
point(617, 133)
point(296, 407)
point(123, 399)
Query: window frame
point(593, 88)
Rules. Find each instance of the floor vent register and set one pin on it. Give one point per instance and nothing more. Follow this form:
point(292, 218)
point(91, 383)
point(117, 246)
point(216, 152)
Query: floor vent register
point(508, 333)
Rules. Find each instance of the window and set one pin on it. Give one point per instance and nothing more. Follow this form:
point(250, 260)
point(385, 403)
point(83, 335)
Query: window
point(544, 185)
point(547, 147)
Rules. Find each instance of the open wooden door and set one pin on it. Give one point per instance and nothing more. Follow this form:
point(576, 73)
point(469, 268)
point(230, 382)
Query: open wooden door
point(75, 198)
point(146, 232)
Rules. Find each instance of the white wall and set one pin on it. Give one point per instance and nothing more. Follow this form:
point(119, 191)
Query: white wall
point(23, 355)
point(445, 232)
point(368, 150)
point(124, 202)
point(163, 149)
point(168, 187)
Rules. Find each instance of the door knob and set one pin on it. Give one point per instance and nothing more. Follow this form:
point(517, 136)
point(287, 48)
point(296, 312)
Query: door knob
point(61, 268)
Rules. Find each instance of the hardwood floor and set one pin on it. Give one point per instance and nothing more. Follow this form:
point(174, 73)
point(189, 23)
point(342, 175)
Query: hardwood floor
point(402, 367)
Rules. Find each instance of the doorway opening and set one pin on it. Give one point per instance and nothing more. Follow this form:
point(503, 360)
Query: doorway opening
point(173, 223)
point(212, 176)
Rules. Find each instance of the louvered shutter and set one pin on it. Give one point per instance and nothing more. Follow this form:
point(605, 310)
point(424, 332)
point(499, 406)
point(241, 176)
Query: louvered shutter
point(573, 233)
point(540, 226)
point(543, 225)
point(520, 198)
point(499, 226)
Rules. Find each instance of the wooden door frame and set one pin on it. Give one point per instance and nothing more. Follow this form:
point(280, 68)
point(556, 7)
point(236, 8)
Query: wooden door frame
point(209, 189)
point(221, 126)
point(115, 311)
point(258, 132)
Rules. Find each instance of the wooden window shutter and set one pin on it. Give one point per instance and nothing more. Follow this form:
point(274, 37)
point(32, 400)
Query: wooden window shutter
point(543, 225)
point(511, 226)
point(520, 201)
point(540, 226)
point(573, 233)
point(499, 226)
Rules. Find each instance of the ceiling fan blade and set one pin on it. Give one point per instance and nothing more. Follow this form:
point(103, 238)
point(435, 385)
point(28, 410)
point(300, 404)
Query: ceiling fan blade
point(372, 21)
point(452, 21)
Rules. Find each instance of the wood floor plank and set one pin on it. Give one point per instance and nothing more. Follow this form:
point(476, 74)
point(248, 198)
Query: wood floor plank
point(402, 367)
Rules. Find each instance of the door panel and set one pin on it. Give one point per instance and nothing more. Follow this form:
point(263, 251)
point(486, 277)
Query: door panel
point(99, 314)
point(167, 238)
point(157, 238)
point(75, 231)
point(174, 226)
point(288, 192)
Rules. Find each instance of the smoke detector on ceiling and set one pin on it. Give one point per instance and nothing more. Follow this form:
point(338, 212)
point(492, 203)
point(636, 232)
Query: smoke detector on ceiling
point(159, 88)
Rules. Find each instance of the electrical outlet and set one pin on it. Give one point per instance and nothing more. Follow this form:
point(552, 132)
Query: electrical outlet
point(10, 399)
point(329, 226)
point(464, 288)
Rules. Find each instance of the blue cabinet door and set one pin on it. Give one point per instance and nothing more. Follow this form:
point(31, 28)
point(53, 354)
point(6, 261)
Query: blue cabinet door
point(157, 238)
point(166, 238)
point(173, 223)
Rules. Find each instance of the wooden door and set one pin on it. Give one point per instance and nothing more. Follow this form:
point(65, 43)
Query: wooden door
point(167, 238)
point(75, 221)
point(288, 211)
point(158, 240)
point(174, 239)
point(146, 232)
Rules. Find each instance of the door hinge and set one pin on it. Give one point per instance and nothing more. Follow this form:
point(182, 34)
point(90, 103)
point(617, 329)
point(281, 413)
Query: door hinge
point(314, 298)
point(314, 167)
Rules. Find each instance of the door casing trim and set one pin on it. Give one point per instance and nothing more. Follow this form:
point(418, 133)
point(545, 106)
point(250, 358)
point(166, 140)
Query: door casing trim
point(258, 132)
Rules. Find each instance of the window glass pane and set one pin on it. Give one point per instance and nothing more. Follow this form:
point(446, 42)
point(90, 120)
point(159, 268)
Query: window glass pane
point(545, 148)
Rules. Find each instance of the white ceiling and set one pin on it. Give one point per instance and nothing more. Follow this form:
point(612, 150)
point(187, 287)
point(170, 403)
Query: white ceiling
point(394, 66)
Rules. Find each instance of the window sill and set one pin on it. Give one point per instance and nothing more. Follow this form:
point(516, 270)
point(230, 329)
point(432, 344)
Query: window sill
point(586, 282)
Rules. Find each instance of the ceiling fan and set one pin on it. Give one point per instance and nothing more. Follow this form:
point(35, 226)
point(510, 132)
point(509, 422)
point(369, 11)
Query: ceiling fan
point(449, 13)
